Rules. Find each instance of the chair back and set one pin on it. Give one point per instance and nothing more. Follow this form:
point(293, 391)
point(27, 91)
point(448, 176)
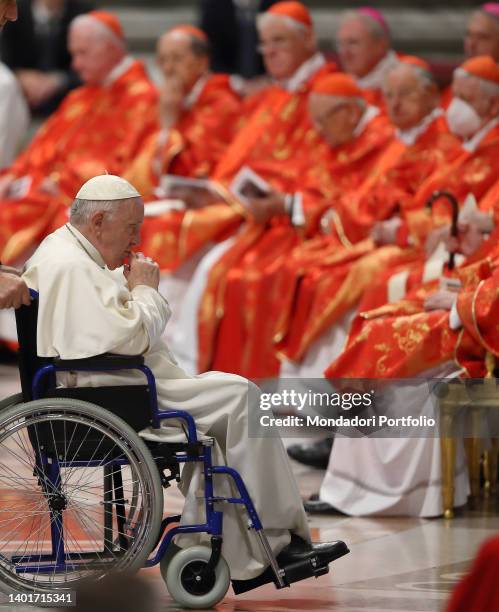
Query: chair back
point(29, 361)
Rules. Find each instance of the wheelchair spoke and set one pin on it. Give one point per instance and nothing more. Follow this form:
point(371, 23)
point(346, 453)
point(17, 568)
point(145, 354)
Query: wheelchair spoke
point(41, 474)
point(26, 451)
point(12, 538)
point(103, 460)
point(66, 445)
point(45, 525)
point(16, 456)
point(16, 479)
point(72, 482)
point(89, 509)
point(86, 490)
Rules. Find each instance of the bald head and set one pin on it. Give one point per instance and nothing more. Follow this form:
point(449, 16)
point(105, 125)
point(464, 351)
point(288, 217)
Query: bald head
point(285, 44)
point(94, 48)
point(8, 11)
point(183, 56)
point(410, 94)
point(482, 35)
point(362, 43)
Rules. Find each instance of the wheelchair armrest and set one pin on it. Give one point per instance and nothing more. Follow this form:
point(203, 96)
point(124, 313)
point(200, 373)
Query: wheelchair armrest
point(101, 362)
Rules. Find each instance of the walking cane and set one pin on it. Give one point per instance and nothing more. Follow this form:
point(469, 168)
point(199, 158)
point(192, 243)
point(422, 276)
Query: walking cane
point(436, 195)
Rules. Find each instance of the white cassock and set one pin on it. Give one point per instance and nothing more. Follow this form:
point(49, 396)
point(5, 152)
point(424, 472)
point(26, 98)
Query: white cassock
point(14, 116)
point(85, 310)
point(395, 476)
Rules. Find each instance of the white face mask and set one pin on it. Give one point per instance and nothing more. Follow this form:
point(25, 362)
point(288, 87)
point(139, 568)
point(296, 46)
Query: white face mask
point(462, 118)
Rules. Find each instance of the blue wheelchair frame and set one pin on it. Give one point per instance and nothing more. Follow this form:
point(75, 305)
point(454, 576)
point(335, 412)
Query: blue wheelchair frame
point(214, 518)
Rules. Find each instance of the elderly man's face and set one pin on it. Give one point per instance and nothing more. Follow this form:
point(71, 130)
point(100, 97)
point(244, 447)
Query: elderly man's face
point(408, 101)
point(468, 90)
point(177, 60)
point(482, 37)
point(284, 48)
point(334, 119)
point(93, 54)
point(117, 233)
point(8, 11)
point(359, 50)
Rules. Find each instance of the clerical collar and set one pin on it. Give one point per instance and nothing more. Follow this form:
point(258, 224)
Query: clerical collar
point(367, 117)
point(375, 78)
point(473, 143)
point(86, 245)
point(304, 72)
point(118, 71)
point(409, 137)
point(197, 89)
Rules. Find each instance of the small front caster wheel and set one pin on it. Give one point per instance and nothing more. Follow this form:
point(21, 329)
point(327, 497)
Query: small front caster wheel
point(188, 583)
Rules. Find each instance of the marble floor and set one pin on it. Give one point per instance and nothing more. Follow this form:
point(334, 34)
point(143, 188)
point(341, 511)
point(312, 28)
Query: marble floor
point(395, 565)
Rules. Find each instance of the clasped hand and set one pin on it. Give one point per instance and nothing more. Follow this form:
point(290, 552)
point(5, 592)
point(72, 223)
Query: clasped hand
point(142, 270)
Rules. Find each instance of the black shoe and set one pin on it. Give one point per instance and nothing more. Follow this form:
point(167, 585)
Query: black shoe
point(315, 454)
point(297, 551)
point(313, 505)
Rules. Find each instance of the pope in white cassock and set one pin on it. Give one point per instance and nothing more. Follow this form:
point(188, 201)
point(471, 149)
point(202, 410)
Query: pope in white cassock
point(90, 304)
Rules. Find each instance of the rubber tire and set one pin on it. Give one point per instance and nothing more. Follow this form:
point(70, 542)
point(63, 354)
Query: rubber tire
point(178, 592)
point(98, 413)
point(13, 400)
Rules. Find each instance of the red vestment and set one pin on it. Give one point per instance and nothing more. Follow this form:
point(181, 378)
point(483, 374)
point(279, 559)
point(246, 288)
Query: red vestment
point(325, 280)
point(237, 334)
point(402, 339)
point(270, 142)
point(96, 129)
point(194, 145)
point(478, 591)
point(472, 172)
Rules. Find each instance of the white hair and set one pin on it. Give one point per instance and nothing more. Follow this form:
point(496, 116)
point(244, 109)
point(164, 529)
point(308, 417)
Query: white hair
point(374, 27)
point(358, 100)
point(425, 77)
point(82, 210)
point(488, 88)
point(266, 18)
point(102, 30)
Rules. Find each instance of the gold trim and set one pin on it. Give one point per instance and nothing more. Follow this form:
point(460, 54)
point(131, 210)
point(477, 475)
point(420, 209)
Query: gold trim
point(340, 230)
point(184, 230)
point(475, 322)
point(456, 349)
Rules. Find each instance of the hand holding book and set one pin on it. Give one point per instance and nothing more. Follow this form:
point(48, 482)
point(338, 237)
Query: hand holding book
point(261, 201)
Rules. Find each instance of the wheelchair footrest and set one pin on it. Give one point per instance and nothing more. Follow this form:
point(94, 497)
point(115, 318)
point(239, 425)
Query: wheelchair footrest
point(300, 570)
point(308, 568)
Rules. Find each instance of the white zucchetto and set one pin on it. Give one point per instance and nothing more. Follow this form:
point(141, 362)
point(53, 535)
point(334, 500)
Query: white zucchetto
point(107, 187)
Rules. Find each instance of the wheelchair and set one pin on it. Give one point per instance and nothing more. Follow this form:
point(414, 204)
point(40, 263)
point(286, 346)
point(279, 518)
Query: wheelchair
point(81, 494)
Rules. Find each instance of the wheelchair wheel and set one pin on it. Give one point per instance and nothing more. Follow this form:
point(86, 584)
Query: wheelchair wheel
point(13, 400)
point(183, 575)
point(80, 495)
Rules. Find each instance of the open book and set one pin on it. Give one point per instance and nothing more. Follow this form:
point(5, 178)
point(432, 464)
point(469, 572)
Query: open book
point(194, 192)
point(248, 184)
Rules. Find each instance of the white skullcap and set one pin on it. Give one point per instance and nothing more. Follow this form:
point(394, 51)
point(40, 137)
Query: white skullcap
point(107, 187)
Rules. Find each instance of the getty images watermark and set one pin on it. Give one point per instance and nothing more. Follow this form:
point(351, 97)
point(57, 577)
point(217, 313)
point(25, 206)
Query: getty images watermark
point(346, 402)
point(361, 407)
